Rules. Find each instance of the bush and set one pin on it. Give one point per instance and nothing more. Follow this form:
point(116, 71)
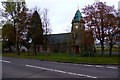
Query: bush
point(87, 54)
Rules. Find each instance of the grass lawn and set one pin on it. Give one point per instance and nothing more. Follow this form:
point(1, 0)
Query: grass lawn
point(64, 57)
point(106, 49)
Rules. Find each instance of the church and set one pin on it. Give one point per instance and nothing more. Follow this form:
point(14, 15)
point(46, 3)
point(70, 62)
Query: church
point(77, 41)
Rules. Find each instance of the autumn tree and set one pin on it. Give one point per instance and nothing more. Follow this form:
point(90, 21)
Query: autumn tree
point(96, 19)
point(112, 28)
point(8, 35)
point(22, 25)
point(11, 11)
point(35, 31)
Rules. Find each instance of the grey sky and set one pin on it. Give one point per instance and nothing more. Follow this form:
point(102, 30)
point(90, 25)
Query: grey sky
point(61, 12)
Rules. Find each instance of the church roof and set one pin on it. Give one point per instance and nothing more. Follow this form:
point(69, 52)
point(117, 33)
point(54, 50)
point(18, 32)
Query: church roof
point(77, 17)
point(59, 38)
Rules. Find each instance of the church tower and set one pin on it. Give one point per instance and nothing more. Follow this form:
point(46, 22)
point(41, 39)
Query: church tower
point(77, 32)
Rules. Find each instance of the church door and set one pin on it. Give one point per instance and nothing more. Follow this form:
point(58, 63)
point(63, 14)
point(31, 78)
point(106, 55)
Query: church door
point(77, 49)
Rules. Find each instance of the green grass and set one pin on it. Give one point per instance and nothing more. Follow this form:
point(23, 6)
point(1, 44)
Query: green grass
point(106, 49)
point(64, 57)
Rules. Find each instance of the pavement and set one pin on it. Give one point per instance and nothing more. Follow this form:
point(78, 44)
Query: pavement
point(31, 68)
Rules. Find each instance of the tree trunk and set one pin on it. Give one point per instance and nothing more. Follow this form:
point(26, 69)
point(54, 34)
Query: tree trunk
point(94, 49)
point(16, 33)
point(9, 47)
point(102, 48)
point(110, 49)
point(45, 45)
point(34, 46)
point(102, 37)
point(17, 48)
point(46, 48)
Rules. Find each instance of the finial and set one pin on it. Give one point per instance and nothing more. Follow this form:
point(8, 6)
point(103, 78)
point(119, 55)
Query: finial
point(78, 7)
point(96, 0)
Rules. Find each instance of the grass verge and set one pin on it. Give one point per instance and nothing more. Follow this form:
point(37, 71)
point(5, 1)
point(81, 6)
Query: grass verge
point(64, 57)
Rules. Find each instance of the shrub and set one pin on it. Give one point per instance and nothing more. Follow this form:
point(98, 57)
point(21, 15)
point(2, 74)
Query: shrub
point(87, 54)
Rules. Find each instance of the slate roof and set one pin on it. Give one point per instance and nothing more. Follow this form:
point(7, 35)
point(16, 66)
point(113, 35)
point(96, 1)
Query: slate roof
point(59, 38)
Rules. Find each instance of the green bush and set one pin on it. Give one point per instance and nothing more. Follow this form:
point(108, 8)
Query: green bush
point(87, 54)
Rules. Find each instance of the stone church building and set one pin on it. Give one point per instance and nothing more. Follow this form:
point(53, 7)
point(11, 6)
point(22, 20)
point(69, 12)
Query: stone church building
point(77, 41)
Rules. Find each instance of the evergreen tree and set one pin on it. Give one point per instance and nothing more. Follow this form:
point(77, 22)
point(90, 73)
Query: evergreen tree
point(36, 31)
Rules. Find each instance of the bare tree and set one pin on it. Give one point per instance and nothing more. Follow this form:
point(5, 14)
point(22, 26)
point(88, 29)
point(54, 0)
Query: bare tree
point(46, 22)
point(46, 27)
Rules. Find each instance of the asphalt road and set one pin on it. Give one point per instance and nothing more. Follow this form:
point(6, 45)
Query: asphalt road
point(30, 68)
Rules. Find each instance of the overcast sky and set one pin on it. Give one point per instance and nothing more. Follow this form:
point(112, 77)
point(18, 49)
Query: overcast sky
point(61, 12)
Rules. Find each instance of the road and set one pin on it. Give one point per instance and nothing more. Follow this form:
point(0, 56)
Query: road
point(30, 68)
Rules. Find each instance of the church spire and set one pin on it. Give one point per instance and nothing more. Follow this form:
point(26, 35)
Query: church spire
point(77, 17)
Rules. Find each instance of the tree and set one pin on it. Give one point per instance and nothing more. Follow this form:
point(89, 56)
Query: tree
point(95, 19)
point(112, 28)
point(46, 27)
point(46, 22)
point(22, 25)
point(12, 10)
point(8, 35)
point(35, 31)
